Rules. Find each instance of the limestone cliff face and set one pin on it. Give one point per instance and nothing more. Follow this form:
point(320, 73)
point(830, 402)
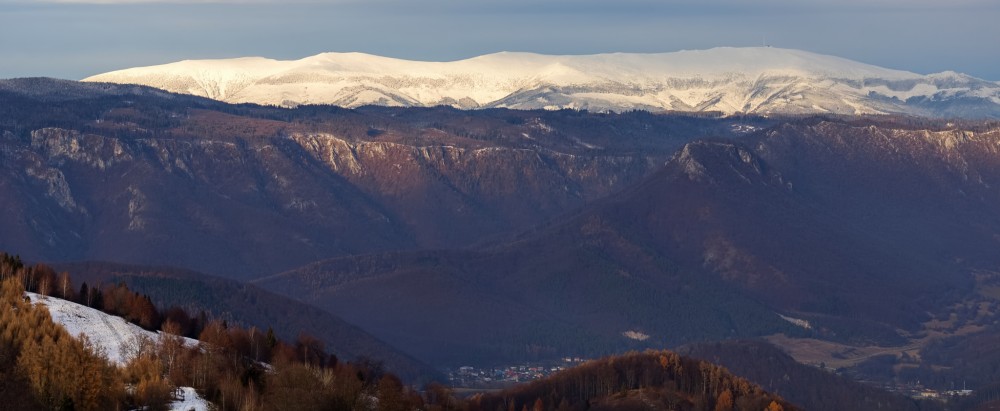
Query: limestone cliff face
point(249, 206)
point(133, 174)
point(448, 196)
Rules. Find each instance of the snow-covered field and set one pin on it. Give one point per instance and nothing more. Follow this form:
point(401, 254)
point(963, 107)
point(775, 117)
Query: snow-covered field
point(112, 335)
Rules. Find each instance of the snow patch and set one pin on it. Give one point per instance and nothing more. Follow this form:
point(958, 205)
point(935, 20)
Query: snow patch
point(636, 335)
point(799, 322)
point(109, 333)
point(743, 128)
point(189, 401)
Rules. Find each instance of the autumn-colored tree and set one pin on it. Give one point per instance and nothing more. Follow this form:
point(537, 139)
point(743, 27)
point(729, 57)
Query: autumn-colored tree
point(145, 372)
point(240, 342)
point(9, 265)
point(180, 318)
point(393, 396)
point(311, 350)
point(439, 397)
point(348, 391)
point(60, 370)
point(171, 346)
point(138, 309)
point(296, 387)
point(143, 312)
point(215, 336)
point(57, 371)
point(725, 401)
point(282, 353)
point(671, 380)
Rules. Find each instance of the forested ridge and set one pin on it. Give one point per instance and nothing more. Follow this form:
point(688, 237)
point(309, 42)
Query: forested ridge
point(660, 380)
point(42, 367)
point(235, 368)
point(250, 306)
point(811, 387)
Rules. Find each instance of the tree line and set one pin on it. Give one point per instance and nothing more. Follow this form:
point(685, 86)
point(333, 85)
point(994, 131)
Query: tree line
point(811, 387)
point(42, 367)
point(650, 379)
point(233, 367)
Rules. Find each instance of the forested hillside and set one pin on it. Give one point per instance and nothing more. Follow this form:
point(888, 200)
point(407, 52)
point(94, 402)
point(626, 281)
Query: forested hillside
point(235, 368)
point(250, 306)
point(812, 388)
point(43, 367)
point(651, 380)
point(248, 369)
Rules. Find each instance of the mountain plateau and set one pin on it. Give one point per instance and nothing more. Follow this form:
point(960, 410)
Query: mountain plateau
point(753, 80)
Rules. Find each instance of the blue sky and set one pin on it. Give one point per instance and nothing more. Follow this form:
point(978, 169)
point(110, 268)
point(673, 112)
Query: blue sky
point(77, 38)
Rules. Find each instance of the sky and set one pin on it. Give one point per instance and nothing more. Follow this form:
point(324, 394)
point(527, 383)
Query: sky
point(73, 39)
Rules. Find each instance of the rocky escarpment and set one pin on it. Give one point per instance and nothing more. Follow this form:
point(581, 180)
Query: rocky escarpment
point(285, 200)
point(130, 175)
point(475, 190)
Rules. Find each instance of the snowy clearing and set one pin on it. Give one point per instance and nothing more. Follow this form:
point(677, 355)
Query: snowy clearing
point(109, 333)
point(189, 401)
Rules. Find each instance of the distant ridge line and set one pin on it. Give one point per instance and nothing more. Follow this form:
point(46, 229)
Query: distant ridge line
point(759, 80)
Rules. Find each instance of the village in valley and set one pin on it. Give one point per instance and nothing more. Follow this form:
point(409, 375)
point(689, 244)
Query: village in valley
point(503, 376)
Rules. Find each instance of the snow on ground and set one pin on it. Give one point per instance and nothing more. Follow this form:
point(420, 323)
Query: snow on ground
point(110, 333)
point(190, 400)
point(799, 322)
point(636, 335)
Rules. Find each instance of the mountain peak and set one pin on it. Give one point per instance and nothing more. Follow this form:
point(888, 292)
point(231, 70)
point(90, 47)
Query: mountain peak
point(762, 80)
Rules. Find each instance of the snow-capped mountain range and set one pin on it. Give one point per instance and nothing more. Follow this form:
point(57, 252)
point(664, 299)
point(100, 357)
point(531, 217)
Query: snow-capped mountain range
point(760, 80)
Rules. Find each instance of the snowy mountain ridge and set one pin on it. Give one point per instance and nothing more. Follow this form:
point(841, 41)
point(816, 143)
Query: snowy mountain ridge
point(760, 80)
